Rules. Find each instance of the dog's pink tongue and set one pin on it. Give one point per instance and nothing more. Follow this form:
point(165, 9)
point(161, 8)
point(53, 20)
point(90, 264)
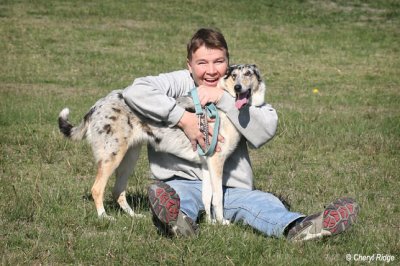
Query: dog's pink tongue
point(241, 100)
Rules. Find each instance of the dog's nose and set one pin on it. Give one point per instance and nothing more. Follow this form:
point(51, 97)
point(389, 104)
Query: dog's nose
point(238, 88)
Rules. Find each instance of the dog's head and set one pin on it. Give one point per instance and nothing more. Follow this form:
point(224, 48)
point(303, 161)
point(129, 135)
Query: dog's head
point(245, 84)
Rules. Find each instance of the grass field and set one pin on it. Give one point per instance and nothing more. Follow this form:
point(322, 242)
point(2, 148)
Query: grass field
point(333, 74)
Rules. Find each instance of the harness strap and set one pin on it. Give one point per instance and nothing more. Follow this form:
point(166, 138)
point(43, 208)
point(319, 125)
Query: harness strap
point(210, 110)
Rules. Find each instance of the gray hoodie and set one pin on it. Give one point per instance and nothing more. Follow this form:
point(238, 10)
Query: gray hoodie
point(154, 97)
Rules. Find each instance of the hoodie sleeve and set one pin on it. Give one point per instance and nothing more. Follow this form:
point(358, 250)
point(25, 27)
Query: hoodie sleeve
point(154, 96)
point(257, 124)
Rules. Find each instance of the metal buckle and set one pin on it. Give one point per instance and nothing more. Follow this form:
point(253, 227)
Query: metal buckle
point(203, 126)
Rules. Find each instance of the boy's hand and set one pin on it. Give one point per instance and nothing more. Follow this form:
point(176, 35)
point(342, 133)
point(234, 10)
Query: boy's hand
point(189, 125)
point(209, 94)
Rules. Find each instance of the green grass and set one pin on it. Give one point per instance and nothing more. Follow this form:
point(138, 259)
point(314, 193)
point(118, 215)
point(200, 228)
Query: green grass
point(344, 140)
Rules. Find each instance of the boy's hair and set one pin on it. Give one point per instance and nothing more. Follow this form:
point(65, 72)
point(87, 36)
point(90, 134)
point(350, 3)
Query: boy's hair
point(211, 38)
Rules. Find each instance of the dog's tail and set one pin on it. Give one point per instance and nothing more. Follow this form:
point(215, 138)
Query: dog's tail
point(70, 131)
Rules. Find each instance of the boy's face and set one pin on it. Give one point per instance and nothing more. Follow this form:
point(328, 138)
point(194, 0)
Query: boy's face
point(208, 66)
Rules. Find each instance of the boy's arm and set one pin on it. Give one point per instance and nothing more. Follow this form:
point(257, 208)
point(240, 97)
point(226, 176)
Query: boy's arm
point(257, 124)
point(154, 96)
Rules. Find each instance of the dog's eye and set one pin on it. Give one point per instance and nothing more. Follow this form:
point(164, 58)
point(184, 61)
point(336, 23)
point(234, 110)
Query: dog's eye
point(247, 73)
point(234, 76)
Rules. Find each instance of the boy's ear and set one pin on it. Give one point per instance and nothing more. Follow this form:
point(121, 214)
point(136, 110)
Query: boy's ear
point(188, 65)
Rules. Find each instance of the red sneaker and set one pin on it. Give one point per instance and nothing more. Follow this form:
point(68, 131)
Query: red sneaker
point(337, 217)
point(167, 217)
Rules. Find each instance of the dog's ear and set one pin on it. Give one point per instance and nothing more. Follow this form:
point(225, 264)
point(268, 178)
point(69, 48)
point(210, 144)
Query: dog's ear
point(229, 70)
point(258, 95)
point(256, 72)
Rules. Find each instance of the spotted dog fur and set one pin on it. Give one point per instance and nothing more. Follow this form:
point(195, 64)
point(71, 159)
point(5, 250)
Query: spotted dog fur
point(116, 133)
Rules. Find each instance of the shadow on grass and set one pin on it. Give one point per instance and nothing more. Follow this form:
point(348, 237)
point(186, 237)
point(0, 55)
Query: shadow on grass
point(137, 200)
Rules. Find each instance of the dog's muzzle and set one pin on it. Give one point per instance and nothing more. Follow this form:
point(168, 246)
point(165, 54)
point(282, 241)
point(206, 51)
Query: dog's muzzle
point(238, 88)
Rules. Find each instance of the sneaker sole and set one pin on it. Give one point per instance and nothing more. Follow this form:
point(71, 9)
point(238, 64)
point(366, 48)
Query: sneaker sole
point(164, 202)
point(184, 226)
point(340, 215)
point(337, 217)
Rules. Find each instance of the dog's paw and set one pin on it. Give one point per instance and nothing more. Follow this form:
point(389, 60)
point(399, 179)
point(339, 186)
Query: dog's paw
point(106, 217)
point(131, 213)
point(210, 220)
point(186, 102)
point(225, 222)
point(222, 222)
point(213, 221)
point(138, 215)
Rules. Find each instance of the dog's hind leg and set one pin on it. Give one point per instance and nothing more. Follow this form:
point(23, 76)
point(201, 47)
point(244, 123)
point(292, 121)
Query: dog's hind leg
point(105, 168)
point(122, 173)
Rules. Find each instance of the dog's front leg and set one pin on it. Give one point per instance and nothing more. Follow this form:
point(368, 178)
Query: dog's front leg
point(215, 166)
point(207, 193)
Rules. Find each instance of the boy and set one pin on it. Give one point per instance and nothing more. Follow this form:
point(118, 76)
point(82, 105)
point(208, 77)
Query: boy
point(154, 97)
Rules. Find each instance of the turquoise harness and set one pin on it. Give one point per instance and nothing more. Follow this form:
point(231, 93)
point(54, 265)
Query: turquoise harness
point(209, 111)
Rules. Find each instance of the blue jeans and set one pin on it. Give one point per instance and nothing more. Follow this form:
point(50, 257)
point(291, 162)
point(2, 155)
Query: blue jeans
point(260, 210)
